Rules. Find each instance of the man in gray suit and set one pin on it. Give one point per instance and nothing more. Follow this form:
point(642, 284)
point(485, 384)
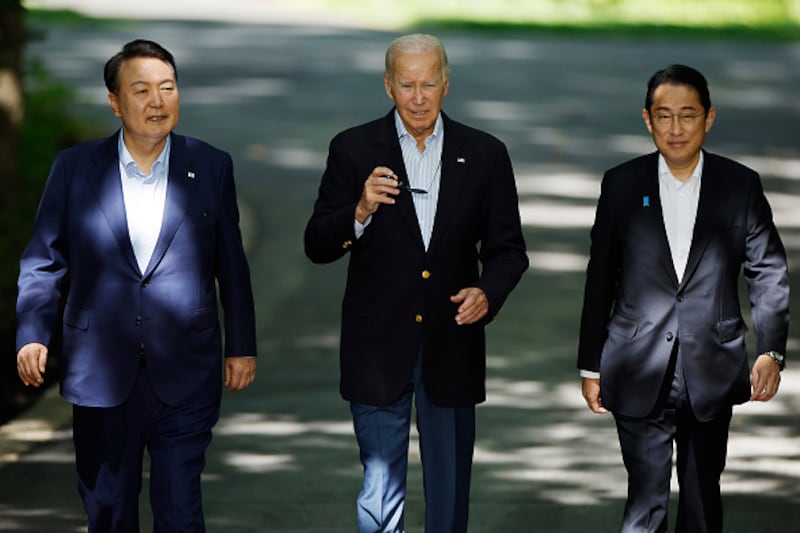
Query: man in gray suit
point(662, 339)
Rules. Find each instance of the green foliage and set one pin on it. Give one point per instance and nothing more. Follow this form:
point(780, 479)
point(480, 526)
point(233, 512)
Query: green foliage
point(65, 17)
point(48, 127)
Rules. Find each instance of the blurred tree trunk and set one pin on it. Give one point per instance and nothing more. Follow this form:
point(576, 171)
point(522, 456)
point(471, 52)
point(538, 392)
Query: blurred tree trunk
point(13, 397)
point(11, 101)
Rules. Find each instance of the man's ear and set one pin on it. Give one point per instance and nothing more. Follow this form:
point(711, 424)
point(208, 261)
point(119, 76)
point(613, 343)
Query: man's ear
point(113, 101)
point(646, 118)
point(387, 84)
point(710, 117)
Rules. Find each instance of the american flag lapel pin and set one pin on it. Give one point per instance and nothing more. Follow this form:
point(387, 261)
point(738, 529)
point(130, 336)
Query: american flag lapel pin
point(190, 174)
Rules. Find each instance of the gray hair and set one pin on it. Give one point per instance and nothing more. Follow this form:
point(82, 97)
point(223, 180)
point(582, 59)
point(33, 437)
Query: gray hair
point(416, 43)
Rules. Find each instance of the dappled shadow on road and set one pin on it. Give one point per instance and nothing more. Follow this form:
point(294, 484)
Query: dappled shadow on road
point(284, 458)
point(537, 442)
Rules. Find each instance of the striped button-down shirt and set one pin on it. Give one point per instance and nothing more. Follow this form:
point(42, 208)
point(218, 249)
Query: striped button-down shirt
point(424, 171)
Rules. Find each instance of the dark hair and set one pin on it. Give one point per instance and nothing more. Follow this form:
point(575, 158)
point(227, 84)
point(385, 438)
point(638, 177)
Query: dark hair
point(679, 75)
point(137, 48)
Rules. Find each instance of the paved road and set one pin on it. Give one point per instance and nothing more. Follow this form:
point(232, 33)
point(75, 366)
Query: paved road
point(284, 458)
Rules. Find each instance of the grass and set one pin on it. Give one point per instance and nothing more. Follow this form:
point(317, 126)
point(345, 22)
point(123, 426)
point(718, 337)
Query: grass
point(753, 20)
point(738, 19)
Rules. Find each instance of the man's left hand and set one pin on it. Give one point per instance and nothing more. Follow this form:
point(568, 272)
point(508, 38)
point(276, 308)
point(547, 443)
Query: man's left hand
point(474, 305)
point(239, 372)
point(764, 379)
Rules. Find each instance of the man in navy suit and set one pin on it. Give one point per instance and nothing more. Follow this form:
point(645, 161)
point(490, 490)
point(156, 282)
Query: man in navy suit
point(427, 209)
point(662, 339)
point(135, 232)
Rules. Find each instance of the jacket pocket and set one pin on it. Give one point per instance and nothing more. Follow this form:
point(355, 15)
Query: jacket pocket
point(76, 318)
point(205, 318)
point(730, 329)
point(623, 326)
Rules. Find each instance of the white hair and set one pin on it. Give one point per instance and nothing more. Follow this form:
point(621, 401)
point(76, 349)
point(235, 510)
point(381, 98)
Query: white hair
point(416, 43)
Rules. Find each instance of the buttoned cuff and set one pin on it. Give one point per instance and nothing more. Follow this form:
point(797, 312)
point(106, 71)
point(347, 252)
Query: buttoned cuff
point(359, 228)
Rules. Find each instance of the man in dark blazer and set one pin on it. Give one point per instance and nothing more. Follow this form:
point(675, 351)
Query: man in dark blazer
point(135, 231)
point(662, 338)
point(427, 209)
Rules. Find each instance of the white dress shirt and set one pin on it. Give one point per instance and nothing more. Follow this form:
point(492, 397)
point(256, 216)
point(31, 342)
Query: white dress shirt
point(679, 201)
point(145, 197)
point(679, 208)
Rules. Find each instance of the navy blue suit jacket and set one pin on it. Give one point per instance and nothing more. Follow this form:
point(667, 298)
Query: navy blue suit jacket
point(635, 309)
point(398, 294)
point(115, 315)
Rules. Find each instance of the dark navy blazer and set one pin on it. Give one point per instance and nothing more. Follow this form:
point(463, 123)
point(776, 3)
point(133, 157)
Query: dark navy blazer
point(115, 316)
point(398, 294)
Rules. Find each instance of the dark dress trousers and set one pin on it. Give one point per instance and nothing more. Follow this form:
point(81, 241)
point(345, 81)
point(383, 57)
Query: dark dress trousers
point(639, 323)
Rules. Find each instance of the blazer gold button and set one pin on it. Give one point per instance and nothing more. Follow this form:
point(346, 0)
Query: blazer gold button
point(347, 244)
point(425, 274)
point(418, 318)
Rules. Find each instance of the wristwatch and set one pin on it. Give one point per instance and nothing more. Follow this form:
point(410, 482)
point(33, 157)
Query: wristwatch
point(777, 357)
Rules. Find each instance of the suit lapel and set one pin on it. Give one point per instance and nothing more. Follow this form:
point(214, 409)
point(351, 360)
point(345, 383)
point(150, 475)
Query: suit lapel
point(651, 202)
point(389, 154)
point(454, 167)
point(712, 196)
point(107, 185)
point(181, 185)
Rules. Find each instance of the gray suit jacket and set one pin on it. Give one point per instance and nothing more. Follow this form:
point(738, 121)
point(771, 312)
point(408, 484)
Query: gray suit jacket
point(635, 310)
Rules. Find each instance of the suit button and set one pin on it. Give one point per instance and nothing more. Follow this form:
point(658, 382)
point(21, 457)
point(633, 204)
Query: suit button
point(138, 321)
point(670, 336)
point(425, 274)
point(418, 318)
point(680, 297)
point(144, 284)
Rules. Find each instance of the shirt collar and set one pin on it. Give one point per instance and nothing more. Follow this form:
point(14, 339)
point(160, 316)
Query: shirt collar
point(403, 132)
point(668, 179)
point(132, 169)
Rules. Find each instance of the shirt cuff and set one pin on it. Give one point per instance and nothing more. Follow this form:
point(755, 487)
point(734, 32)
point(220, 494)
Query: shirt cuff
point(359, 227)
point(590, 374)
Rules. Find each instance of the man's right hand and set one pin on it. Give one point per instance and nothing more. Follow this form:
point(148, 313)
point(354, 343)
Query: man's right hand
point(380, 188)
point(31, 363)
point(591, 393)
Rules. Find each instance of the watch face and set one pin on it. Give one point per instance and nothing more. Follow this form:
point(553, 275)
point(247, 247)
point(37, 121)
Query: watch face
point(777, 357)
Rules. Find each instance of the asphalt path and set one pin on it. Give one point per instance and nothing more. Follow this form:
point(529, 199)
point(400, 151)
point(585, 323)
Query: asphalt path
point(283, 457)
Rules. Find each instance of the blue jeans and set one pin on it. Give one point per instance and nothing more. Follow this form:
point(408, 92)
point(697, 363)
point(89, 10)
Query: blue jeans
point(447, 438)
